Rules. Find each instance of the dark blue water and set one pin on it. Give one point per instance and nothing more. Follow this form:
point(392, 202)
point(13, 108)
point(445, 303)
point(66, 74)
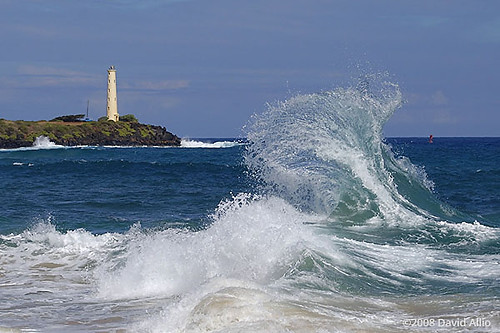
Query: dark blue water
point(110, 189)
point(465, 171)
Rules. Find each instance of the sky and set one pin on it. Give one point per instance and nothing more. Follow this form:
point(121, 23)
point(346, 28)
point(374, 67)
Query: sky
point(202, 68)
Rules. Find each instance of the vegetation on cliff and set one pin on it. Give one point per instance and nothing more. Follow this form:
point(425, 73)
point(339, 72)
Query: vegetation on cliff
point(20, 133)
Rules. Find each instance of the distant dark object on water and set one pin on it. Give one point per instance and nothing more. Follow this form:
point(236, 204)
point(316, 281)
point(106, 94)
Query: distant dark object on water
point(430, 138)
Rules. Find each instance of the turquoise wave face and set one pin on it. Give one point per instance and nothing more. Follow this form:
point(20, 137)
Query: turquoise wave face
point(324, 151)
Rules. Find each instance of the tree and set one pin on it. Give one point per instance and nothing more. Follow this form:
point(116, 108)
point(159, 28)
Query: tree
point(70, 118)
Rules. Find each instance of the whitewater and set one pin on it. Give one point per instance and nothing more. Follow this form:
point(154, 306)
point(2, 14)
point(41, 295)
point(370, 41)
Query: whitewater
point(314, 223)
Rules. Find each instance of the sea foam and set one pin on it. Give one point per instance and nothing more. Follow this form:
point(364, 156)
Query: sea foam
point(187, 143)
point(250, 239)
point(43, 142)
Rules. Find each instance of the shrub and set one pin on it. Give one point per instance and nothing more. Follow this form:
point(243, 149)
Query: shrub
point(129, 118)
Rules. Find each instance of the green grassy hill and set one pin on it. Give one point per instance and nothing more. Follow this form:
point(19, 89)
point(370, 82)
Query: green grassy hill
point(20, 133)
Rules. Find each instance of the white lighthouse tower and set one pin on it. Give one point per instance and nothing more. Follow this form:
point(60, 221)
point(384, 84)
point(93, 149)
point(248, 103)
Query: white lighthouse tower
point(112, 103)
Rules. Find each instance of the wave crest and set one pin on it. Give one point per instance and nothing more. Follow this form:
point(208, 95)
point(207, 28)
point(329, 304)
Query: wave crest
point(314, 148)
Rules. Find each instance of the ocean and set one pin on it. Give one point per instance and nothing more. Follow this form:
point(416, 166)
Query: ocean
point(315, 222)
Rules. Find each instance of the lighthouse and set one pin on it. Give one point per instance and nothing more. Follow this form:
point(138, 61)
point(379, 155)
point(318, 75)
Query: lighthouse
point(112, 103)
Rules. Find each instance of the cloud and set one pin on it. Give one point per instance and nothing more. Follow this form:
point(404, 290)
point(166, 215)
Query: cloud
point(47, 71)
point(155, 85)
point(486, 31)
point(421, 21)
point(47, 78)
point(443, 116)
point(29, 76)
point(438, 98)
point(37, 31)
point(429, 100)
point(133, 4)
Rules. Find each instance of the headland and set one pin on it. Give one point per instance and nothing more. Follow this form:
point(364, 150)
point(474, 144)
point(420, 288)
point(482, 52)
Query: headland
point(127, 132)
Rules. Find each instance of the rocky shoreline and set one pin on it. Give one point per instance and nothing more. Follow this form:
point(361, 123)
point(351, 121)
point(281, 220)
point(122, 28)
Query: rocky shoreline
point(20, 133)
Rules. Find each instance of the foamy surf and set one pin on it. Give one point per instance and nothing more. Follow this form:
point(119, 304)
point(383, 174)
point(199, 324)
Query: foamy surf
point(187, 143)
point(260, 268)
point(227, 248)
point(41, 142)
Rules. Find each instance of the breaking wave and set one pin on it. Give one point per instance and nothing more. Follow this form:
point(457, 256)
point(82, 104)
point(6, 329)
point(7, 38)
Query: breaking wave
point(340, 235)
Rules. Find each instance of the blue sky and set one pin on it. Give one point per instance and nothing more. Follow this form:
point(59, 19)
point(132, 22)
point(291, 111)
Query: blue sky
point(201, 68)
